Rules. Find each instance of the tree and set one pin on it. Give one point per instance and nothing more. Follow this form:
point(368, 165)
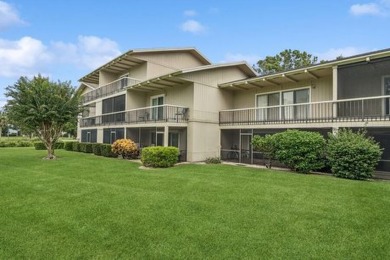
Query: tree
point(3, 121)
point(285, 60)
point(43, 107)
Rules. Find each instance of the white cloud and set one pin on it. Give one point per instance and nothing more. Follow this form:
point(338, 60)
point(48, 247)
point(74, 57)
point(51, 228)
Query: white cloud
point(28, 56)
point(365, 9)
point(22, 57)
point(190, 13)
point(333, 53)
point(88, 52)
point(250, 58)
point(8, 16)
point(193, 26)
point(2, 102)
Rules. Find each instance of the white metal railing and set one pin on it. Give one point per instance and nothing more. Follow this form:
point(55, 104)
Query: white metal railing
point(109, 89)
point(161, 113)
point(355, 109)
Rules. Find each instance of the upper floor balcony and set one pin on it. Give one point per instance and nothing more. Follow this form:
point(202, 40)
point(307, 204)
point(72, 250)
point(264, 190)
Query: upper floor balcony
point(152, 114)
point(109, 89)
point(346, 110)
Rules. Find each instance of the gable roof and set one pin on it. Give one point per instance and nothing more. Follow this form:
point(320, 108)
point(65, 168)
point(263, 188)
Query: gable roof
point(127, 60)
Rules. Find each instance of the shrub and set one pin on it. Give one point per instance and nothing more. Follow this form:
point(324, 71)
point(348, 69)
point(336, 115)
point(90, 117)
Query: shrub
point(125, 147)
point(159, 156)
point(266, 145)
point(85, 147)
point(352, 155)
point(213, 160)
point(76, 146)
point(106, 150)
point(301, 151)
point(97, 149)
point(68, 146)
point(40, 146)
point(24, 143)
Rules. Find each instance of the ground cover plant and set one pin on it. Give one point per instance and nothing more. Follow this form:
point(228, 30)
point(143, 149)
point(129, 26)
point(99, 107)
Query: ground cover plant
point(83, 206)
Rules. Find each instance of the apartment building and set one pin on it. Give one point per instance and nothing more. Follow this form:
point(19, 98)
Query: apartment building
point(176, 97)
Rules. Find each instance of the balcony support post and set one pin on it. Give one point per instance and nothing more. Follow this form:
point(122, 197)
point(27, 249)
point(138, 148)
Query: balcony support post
point(166, 135)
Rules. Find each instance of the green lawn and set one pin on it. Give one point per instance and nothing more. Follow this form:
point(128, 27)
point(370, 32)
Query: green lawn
point(83, 206)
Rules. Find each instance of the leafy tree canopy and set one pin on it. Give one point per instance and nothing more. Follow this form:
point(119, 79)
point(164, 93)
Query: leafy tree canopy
point(285, 60)
point(43, 107)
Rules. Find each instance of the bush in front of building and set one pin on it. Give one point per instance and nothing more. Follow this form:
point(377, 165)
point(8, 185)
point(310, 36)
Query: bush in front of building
point(40, 146)
point(301, 151)
point(125, 148)
point(97, 149)
point(159, 156)
point(212, 160)
point(19, 143)
point(106, 151)
point(86, 147)
point(266, 145)
point(68, 146)
point(352, 155)
point(76, 146)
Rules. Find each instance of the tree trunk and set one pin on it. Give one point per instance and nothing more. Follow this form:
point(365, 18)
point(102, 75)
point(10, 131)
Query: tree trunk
point(50, 150)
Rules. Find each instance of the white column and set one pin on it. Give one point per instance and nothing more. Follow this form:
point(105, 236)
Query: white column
point(334, 89)
point(166, 135)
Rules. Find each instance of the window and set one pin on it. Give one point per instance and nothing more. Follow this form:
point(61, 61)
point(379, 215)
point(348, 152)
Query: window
point(89, 136)
point(157, 112)
point(157, 138)
point(173, 139)
point(269, 108)
point(110, 135)
point(114, 104)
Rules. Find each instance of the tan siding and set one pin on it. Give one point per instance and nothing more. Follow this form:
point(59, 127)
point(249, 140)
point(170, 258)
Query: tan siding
point(203, 141)
point(216, 76)
point(106, 77)
point(174, 60)
point(135, 99)
point(138, 72)
point(155, 70)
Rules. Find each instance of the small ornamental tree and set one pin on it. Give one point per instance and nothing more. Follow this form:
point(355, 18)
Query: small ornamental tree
point(301, 151)
point(43, 107)
point(125, 147)
point(266, 145)
point(352, 155)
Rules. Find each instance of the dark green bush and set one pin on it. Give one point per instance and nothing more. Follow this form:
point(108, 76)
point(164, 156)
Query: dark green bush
point(76, 146)
point(97, 149)
point(24, 143)
point(68, 146)
point(301, 151)
point(213, 160)
point(159, 156)
point(352, 155)
point(106, 150)
point(19, 143)
point(40, 146)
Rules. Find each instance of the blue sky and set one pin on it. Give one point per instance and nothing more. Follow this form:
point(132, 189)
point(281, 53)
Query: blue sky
point(67, 39)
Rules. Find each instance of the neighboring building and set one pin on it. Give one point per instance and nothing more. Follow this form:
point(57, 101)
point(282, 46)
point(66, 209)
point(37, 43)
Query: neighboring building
point(176, 97)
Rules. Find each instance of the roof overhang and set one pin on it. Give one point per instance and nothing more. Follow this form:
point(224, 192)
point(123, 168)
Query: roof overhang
point(308, 73)
point(128, 60)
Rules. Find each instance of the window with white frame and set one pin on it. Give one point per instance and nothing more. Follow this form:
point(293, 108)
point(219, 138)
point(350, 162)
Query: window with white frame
point(283, 105)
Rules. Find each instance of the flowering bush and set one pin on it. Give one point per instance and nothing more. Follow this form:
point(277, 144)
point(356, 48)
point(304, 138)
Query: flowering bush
point(125, 147)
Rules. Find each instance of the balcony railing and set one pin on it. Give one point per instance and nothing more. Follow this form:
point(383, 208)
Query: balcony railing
point(346, 110)
point(163, 113)
point(109, 89)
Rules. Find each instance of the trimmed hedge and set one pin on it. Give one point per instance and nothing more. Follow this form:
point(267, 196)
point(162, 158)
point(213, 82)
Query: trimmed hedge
point(85, 147)
point(19, 143)
point(76, 146)
point(212, 160)
point(106, 150)
point(97, 149)
point(159, 156)
point(41, 146)
point(352, 155)
point(68, 146)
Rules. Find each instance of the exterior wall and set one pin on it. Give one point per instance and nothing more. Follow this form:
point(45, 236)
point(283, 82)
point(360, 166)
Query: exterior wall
point(362, 80)
point(321, 90)
point(155, 70)
point(106, 77)
point(139, 72)
point(173, 60)
point(202, 141)
point(135, 99)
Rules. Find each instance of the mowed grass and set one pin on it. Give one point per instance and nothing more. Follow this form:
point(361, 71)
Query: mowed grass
point(84, 206)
